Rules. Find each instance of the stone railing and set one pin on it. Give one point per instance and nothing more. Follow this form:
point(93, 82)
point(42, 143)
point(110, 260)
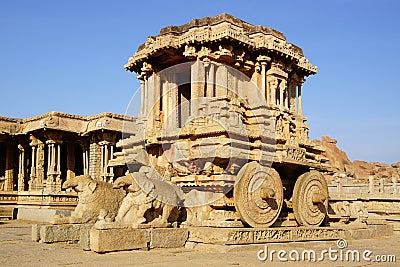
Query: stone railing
point(383, 189)
point(42, 199)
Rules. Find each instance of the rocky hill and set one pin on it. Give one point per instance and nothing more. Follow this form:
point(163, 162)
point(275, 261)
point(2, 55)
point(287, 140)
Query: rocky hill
point(359, 170)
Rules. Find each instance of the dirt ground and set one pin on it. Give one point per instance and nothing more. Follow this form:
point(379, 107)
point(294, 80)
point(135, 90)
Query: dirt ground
point(17, 249)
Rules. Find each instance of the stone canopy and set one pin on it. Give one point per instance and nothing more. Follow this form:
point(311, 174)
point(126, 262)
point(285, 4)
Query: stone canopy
point(240, 43)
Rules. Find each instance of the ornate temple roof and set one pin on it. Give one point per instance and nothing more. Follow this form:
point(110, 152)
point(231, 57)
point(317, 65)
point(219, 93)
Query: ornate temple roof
point(223, 28)
point(65, 122)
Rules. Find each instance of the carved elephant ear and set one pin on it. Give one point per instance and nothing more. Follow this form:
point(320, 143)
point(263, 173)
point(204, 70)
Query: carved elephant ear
point(144, 182)
point(92, 185)
point(148, 187)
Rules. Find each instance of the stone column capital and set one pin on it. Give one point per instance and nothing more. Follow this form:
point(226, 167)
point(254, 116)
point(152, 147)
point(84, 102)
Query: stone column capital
point(21, 148)
point(103, 143)
point(263, 59)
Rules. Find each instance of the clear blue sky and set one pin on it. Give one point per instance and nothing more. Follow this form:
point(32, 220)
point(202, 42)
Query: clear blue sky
point(68, 56)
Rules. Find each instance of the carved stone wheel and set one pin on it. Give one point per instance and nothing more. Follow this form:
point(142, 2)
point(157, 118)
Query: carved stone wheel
point(310, 199)
point(258, 195)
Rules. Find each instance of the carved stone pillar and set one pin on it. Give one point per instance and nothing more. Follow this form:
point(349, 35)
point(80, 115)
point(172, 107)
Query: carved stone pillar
point(40, 175)
point(221, 81)
point(142, 83)
point(394, 184)
point(53, 182)
point(264, 60)
point(32, 177)
point(277, 76)
point(85, 162)
point(371, 184)
point(21, 168)
point(264, 92)
point(146, 72)
point(94, 157)
point(107, 150)
point(197, 86)
point(170, 115)
point(70, 160)
point(146, 96)
point(272, 86)
point(282, 88)
point(211, 80)
point(85, 157)
point(164, 109)
point(299, 104)
point(36, 181)
point(9, 175)
point(292, 95)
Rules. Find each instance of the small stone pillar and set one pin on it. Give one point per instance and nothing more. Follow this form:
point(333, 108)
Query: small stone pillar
point(94, 157)
point(264, 60)
point(9, 175)
point(197, 85)
point(394, 184)
point(292, 96)
point(371, 184)
point(32, 178)
point(21, 168)
point(70, 160)
point(142, 96)
point(146, 70)
point(281, 93)
point(36, 181)
point(382, 185)
point(221, 81)
point(272, 86)
point(339, 185)
point(85, 158)
point(107, 151)
point(299, 104)
point(53, 182)
point(277, 76)
point(211, 80)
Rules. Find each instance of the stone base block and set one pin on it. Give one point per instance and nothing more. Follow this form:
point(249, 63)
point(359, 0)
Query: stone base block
point(84, 238)
point(118, 239)
point(168, 237)
point(107, 240)
point(36, 232)
point(49, 233)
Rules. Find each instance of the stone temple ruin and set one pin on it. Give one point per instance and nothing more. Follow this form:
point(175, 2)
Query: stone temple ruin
point(219, 152)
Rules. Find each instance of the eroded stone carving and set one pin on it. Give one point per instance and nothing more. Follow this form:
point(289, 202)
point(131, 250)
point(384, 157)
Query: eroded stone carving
point(147, 201)
point(95, 197)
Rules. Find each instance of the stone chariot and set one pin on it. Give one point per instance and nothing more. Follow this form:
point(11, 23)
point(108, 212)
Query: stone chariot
point(221, 118)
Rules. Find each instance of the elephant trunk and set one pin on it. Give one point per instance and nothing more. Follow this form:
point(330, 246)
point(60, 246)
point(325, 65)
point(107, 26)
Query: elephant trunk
point(122, 181)
point(72, 182)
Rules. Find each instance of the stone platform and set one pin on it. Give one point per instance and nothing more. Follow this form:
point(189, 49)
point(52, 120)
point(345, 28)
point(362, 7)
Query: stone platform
point(238, 236)
point(119, 239)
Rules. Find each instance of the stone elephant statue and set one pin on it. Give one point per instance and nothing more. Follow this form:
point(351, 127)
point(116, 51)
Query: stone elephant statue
point(148, 200)
point(94, 198)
